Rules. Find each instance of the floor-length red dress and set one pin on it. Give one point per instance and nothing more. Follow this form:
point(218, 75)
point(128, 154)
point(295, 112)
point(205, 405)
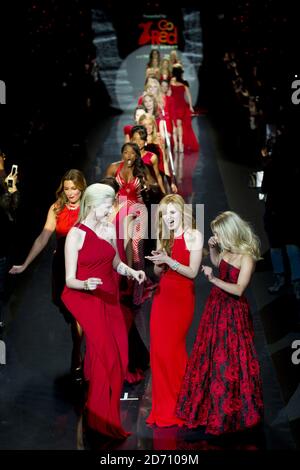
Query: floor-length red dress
point(222, 388)
point(180, 110)
point(99, 314)
point(171, 316)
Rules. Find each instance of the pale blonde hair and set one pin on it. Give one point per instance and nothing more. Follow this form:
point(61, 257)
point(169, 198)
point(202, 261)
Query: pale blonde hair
point(151, 119)
point(236, 235)
point(164, 235)
point(94, 195)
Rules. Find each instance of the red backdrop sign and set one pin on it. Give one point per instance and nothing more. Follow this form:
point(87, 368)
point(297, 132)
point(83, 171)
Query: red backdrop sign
point(158, 32)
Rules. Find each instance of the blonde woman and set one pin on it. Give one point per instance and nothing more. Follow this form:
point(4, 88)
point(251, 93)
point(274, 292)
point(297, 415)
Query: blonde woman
point(155, 145)
point(177, 261)
point(92, 296)
point(222, 387)
point(61, 217)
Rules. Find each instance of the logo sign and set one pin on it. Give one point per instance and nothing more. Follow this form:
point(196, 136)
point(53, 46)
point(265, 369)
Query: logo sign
point(2, 92)
point(158, 32)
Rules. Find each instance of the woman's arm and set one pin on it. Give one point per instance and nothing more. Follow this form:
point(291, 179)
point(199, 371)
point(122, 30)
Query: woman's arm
point(112, 169)
point(74, 243)
point(39, 243)
point(121, 267)
point(189, 97)
point(246, 271)
point(154, 161)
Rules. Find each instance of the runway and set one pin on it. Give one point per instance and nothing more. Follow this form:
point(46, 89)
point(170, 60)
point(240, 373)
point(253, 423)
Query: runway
point(39, 408)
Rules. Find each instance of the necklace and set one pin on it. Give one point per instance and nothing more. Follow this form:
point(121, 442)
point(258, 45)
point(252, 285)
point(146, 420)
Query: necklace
point(72, 207)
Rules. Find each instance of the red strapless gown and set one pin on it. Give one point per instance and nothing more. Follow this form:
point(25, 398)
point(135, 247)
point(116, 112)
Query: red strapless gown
point(180, 110)
point(222, 388)
point(171, 316)
point(99, 314)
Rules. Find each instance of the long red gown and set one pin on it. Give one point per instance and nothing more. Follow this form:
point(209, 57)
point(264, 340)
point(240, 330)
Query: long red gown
point(99, 314)
point(222, 388)
point(180, 110)
point(171, 316)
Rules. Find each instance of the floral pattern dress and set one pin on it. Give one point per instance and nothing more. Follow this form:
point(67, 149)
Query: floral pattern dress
point(222, 388)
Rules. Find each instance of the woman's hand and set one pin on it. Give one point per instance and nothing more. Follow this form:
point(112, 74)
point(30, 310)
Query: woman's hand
point(207, 270)
point(139, 276)
point(92, 283)
point(174, 188)
point(212, 242)
point(17, 269)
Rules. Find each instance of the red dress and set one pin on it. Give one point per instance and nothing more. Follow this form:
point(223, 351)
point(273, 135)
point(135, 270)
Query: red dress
point(65, 220)
point(180, 110)
point(171, 316)
point(222, 388)
point(130, 201)
point(99, 314)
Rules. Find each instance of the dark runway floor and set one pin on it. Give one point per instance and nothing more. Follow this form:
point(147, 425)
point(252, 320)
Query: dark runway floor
point(40, 408)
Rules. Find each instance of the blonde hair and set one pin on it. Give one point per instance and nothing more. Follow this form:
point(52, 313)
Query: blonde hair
point(164, 235)
point(158, 94)
point(236, 235)
point(94, 195)
point(151, 119)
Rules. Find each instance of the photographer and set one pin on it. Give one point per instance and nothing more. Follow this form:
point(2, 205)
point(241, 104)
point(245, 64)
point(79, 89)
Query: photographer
point(9, 201)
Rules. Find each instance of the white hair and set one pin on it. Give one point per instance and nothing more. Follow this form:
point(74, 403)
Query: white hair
point(94, 195)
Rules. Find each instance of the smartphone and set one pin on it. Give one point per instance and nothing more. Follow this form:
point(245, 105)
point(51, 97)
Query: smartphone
point(14, 169)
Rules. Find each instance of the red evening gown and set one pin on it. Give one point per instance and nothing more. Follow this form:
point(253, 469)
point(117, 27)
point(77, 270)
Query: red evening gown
point(99, 314)
point(171, 316)
point(180, 110)
point(222, 388)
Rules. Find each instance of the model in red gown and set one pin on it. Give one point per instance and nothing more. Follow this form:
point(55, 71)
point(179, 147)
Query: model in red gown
point(171, 316)
point(99, 314)
point(222, 388)
point(180, 110)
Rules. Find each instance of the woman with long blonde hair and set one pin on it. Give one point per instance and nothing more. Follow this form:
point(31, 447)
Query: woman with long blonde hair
point(176, 262)
point(222, 388)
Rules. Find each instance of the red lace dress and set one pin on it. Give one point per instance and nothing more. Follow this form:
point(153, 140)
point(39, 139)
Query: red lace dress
point(65, 220)
point(171, 316)
point(222, 388)
point(100, 316)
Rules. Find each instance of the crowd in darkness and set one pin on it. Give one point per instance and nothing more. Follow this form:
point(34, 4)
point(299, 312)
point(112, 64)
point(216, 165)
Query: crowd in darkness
point(259, 121)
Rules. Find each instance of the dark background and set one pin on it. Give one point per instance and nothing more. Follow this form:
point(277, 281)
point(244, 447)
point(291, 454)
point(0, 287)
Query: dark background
point(44, 51)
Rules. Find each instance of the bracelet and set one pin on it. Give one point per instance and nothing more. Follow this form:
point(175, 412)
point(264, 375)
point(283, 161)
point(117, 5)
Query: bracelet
point(85, 285)
point(175, 266)
point(123, 269)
